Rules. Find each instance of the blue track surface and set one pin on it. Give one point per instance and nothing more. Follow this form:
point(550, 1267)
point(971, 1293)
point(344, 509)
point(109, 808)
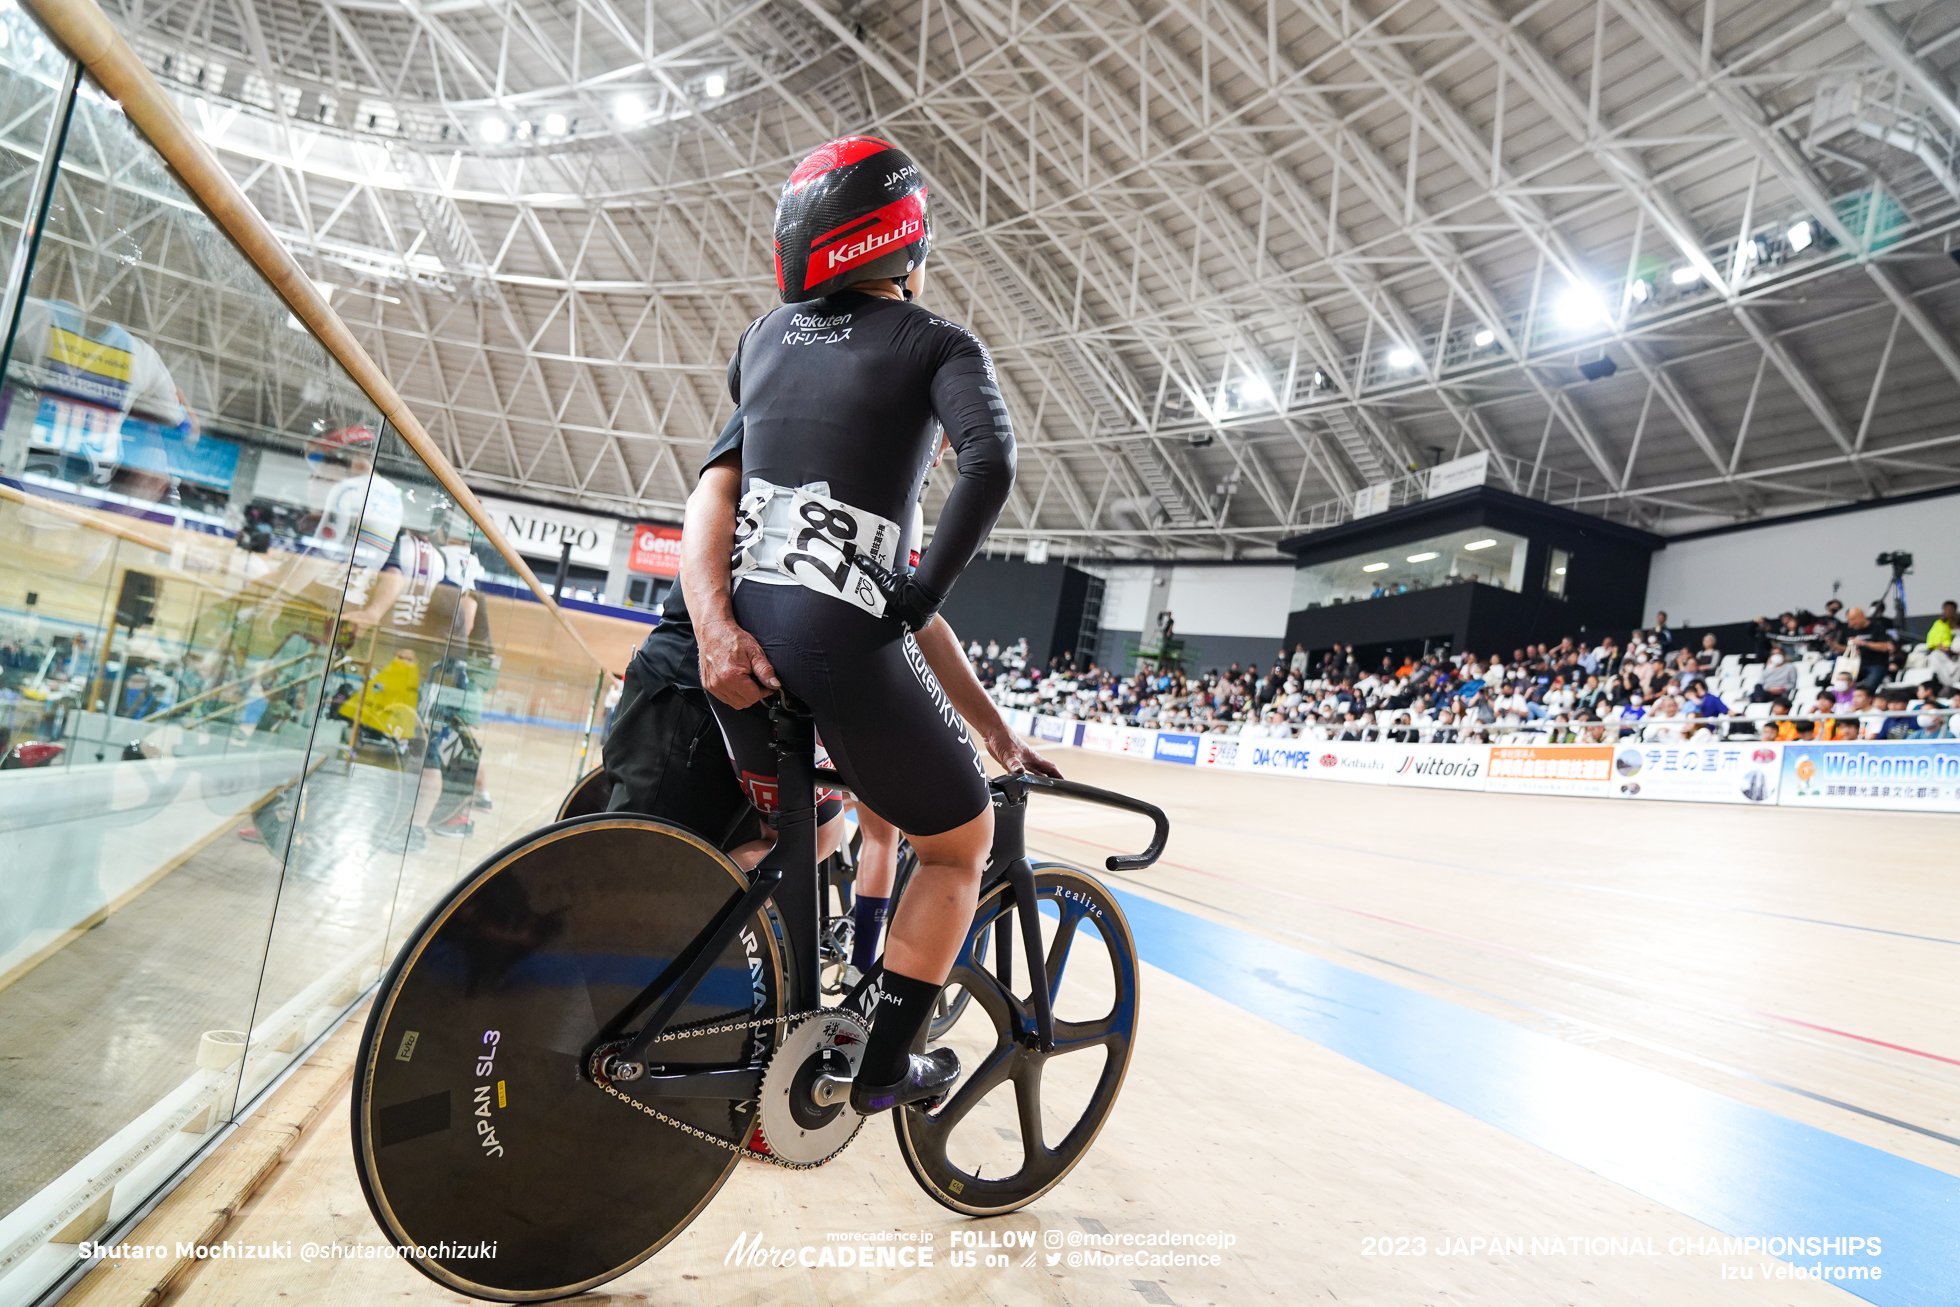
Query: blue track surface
point(1740, 1169)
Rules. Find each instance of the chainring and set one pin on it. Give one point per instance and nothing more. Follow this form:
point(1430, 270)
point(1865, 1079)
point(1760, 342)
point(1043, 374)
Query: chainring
point(795, 1128)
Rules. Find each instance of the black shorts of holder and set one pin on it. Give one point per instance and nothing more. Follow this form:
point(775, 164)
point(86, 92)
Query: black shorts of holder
point(890, 731)
point(665, 759)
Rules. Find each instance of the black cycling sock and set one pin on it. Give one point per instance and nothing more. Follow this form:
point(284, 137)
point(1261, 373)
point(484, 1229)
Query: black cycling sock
point(860, 1000)
point(868, 922)
point(900, 1007)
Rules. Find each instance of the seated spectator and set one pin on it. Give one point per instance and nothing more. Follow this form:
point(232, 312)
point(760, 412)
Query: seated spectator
point(1893, 722)
point(1940, 656)
point(1710, 655)
point(1874, 646)
point(1706, 703)
point(1779, 679)
point(1841, 691)
point(1826, 727)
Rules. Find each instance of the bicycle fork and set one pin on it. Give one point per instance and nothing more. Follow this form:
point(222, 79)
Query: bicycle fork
point(1009, 862)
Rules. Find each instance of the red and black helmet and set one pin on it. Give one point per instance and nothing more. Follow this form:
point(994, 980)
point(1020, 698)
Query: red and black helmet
point(855, 209)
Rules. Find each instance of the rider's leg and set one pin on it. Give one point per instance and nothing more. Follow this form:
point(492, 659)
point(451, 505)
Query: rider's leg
point(830, 837)
point(876, 870)
point(932, 923)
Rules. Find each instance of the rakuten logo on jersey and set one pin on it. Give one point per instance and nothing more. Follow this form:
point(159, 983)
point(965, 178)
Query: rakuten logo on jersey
point(860, 249)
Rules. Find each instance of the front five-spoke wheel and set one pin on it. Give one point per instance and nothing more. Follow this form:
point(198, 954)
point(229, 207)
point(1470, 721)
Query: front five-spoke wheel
point(1021, 1118)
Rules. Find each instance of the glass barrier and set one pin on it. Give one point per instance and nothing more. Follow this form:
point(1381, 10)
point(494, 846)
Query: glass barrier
point(1477, 555)
point(255, 714)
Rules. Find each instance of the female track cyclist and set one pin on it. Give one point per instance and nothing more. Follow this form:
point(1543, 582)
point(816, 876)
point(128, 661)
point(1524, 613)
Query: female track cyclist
point(814, 583)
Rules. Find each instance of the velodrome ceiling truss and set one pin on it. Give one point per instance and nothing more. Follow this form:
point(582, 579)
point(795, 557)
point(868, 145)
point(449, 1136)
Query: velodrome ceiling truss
point(1235, 260)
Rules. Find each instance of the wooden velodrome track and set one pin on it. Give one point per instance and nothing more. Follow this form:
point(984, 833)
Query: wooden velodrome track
point(1385, 1014)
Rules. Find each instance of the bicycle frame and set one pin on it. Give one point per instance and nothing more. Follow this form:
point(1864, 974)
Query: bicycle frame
point(788, 875)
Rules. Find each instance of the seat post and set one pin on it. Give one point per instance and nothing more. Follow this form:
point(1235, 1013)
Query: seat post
point(795, 853)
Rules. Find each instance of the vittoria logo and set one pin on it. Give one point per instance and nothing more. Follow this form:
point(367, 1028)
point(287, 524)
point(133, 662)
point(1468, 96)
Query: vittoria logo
point(1434, 765)
point(856, 250)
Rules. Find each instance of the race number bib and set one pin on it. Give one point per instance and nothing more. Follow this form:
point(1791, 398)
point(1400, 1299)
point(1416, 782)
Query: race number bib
point(818, 542)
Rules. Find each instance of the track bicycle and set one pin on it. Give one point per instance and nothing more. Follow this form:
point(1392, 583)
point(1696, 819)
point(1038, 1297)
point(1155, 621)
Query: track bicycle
point(836, 888)
point(569, 1054)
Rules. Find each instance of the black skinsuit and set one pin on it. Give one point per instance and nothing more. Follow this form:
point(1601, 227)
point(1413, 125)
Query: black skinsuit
point(851, 391)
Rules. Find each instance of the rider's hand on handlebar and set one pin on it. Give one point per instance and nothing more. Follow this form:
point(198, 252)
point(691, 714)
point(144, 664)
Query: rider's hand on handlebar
point(1015, 754)
point(733, 666)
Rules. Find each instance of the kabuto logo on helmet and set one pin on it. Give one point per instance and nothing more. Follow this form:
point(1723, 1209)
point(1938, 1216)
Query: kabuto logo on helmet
point(854, 210)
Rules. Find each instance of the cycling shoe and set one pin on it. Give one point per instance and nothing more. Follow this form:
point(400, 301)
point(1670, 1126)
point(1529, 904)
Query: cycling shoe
point(927, 1080)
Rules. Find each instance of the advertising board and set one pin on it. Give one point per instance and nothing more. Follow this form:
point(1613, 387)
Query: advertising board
point(1437, 766)
point(1136, 743)
point(656, 550)
point(1741, 771)
point(1217, 750)
point(1550, 769)
point(1318, 760)
point(1171, 747)
point(1905, 775)
point(1099, 735)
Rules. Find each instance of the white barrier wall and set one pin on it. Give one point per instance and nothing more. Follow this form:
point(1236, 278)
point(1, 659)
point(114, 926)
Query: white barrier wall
point(1909, 775)
point(1769, 569)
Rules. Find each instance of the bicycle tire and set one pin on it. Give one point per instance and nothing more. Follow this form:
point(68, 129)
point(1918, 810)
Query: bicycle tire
point(924, 1137)
point(589, 794)
point(548, 938)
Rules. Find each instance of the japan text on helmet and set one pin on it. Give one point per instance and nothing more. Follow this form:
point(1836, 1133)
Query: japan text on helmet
point(854, 210)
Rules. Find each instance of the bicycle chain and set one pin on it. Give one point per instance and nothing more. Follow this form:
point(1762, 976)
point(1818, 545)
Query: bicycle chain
point(740, 1149)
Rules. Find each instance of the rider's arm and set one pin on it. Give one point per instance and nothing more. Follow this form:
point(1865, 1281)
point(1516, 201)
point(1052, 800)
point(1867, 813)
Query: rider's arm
point(733, 666)
point(966, 400)
point(388, 587)
point(948, 662)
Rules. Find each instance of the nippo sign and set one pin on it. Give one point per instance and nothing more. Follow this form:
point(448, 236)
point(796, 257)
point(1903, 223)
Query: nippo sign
point(656, 550)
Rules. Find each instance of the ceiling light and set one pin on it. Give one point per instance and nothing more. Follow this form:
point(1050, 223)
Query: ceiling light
point(1253, 390)
point(494, 131)
point(1579, 307)
point(629, 108)
point(1422, 557)
point(1485, 338)
point(1320, 380)
point(1376, 567)
point(713, 85)
point(1687, 275)
point(1640, 290)
point(1480, 544)
point(1558, 571)
point(1801, 235)
point(1401, 358)
point(555, 124)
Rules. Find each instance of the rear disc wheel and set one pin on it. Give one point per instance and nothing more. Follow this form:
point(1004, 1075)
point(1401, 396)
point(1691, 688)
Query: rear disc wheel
point(591, 793)
point(484, 1152)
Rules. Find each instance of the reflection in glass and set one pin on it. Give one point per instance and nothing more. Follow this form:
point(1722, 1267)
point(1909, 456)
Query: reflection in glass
point(1475, 556)
point(254, 700)
point(1556, 568)
point(161, 662)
